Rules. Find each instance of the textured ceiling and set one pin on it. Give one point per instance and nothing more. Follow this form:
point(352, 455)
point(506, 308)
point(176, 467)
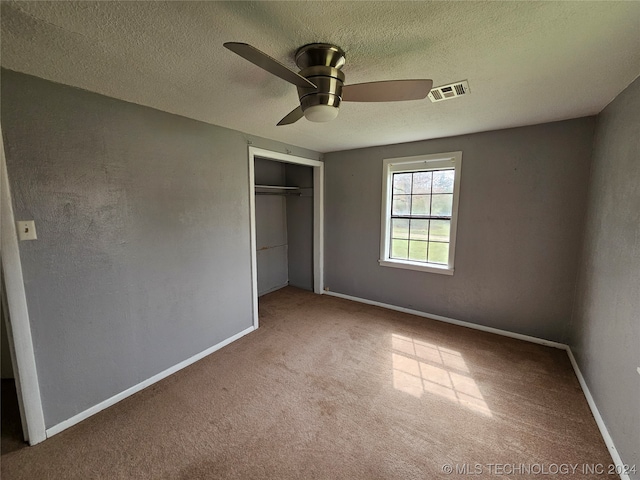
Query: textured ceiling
point(526, 62)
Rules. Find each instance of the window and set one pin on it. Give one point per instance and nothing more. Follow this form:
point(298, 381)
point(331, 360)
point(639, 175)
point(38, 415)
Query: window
point(419, 212)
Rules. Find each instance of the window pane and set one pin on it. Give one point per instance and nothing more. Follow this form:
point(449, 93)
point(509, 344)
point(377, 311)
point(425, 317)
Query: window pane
point(438, 252)
point(422, 182)
point(417, 251)
point(420, 204)
point(401, 205)
point(399, 248)
point(440, 230)
point(419, 230)
point(443, 181)
point(441, 205)
point(401, 183)
point(400, 228)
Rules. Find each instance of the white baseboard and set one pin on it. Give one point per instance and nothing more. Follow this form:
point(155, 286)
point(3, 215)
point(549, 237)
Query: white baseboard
point(615, 456)
point(440, 318)
point(273, 289)
point(596, 415)
point(140, 386)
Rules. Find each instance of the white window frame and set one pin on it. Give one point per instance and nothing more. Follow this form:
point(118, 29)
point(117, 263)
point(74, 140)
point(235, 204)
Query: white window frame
point(416, 164)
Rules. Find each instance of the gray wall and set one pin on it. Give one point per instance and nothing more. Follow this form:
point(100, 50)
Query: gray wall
point(143, 256)
point(521, 213)
point(300, 226)
point(271, 228)
point(605, 329)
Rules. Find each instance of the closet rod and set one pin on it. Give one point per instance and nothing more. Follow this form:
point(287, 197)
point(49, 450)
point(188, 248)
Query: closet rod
point(281, 194)
point(277, 187)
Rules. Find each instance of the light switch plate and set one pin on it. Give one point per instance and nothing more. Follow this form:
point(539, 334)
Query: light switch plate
point(26, 230)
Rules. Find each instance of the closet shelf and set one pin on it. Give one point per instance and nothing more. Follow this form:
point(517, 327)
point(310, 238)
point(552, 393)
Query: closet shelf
point(277, 187)
point(283, 191)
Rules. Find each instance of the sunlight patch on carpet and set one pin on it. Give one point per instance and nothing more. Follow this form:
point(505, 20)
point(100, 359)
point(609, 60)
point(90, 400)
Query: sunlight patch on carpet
point(420, 367)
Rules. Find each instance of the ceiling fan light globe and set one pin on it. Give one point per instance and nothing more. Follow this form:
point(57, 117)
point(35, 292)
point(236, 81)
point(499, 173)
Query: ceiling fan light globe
point(320, 113)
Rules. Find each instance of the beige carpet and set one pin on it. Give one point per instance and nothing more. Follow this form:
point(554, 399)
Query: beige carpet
point(329, 389)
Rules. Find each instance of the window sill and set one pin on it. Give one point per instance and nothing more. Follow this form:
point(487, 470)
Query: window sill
point(421, 267)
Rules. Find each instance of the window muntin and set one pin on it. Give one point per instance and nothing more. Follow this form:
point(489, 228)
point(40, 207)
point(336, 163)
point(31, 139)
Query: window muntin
point(419, 212)
point(421, 207)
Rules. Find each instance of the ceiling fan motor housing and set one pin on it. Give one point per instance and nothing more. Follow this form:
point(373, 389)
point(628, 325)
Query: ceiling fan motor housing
point(329, 81)
point(320, 63)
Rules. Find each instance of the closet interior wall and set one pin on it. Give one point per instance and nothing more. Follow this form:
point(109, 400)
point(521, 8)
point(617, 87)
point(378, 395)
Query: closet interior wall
point(284, 226)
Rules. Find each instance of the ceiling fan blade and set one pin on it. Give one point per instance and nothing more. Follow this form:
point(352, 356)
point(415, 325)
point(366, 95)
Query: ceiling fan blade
point(267, 63)
point(387, 91)
point(292, 117)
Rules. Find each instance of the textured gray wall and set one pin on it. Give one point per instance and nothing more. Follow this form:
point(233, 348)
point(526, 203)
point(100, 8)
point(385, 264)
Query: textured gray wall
point(521, 213)
point(605, 333)
point(271, 229)
point(300, 226)
point(143, 256)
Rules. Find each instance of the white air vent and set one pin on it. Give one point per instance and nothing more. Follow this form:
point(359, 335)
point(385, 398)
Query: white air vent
point(447, 92)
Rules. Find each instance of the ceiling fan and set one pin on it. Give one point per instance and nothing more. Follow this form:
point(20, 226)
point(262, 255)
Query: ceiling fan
point(320, 81)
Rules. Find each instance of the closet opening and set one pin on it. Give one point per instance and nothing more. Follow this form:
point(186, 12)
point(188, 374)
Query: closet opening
point(286, 222)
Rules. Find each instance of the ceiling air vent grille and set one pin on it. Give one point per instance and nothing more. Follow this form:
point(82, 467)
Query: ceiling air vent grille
point(447, 92)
